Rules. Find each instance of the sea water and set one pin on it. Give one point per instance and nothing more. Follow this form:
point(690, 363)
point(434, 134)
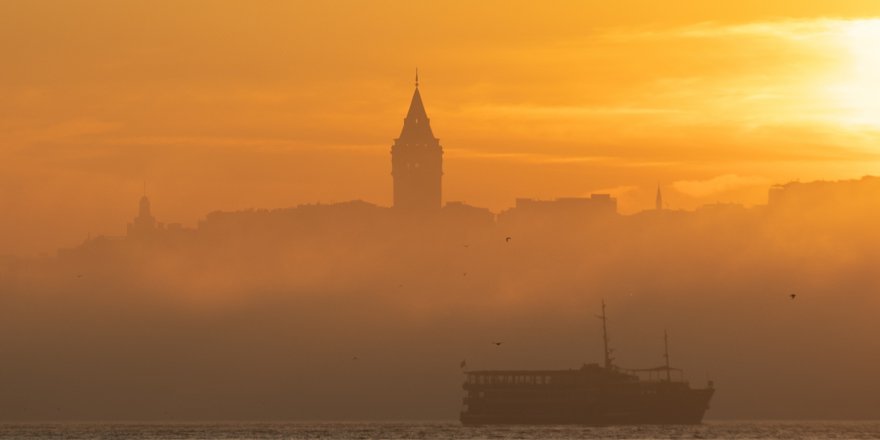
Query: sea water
point(436, 430)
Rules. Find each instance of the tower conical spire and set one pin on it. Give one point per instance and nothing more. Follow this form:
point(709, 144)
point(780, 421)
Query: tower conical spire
point(417, 77)
point(416, 125)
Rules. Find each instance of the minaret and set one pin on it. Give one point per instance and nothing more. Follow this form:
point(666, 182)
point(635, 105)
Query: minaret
point(417, 160)
point(658, 204)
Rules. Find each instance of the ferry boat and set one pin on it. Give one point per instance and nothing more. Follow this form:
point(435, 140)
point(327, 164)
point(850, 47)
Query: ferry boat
point(591, 395)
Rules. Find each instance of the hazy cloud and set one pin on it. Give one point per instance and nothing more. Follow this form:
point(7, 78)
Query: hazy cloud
point(562, 111)
point(795, 30)
point(523, 157)
point(718, 184)
point(617, 191)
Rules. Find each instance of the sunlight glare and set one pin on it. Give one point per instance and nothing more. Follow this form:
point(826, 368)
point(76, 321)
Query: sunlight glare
point(858, 94)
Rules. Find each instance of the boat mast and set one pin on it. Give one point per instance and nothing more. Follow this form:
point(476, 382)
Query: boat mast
point(608, 358)
point(666, 355)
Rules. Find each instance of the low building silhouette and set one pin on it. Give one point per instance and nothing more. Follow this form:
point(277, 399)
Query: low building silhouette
point(569, 211)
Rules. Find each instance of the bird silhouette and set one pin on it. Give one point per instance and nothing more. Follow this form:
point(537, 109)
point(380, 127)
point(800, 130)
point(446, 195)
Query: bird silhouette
point(793, 296)
point(507, 238)
point(498, 344)
point(464, 274)
point(79, 275)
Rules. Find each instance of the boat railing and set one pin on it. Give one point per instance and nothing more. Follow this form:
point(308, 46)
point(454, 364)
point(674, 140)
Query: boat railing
point(657, 374)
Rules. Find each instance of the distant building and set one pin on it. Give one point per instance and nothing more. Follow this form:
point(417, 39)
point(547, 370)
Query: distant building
point(863, 193)
point(595, 204)
point(144, 224)
point(721, 208)
point(464, 215)
point(417, 161)
point(570, 210)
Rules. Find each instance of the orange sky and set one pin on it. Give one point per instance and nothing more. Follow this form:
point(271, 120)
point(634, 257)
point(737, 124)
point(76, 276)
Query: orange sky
point(232, 105)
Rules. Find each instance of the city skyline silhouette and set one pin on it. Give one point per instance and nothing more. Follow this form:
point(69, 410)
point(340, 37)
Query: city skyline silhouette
point(417, 158)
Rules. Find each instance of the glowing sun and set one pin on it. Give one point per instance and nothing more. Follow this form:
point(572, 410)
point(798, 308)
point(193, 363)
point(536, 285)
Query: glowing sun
point(858, 92)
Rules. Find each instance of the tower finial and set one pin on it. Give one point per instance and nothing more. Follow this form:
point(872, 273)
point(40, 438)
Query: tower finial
point(417, 77)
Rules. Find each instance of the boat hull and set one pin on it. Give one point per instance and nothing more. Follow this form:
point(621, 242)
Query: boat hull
point(619, 404)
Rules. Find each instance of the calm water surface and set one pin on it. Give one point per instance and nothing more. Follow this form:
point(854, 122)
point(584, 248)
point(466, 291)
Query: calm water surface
point(436, 430)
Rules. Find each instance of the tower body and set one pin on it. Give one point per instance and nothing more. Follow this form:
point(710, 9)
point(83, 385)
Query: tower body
point(417, 161)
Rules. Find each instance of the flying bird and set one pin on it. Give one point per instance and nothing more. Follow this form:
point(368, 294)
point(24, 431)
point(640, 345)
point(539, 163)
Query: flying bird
point(793, 296)
point(507, 238)
point(498, 344)
point(463, 364)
